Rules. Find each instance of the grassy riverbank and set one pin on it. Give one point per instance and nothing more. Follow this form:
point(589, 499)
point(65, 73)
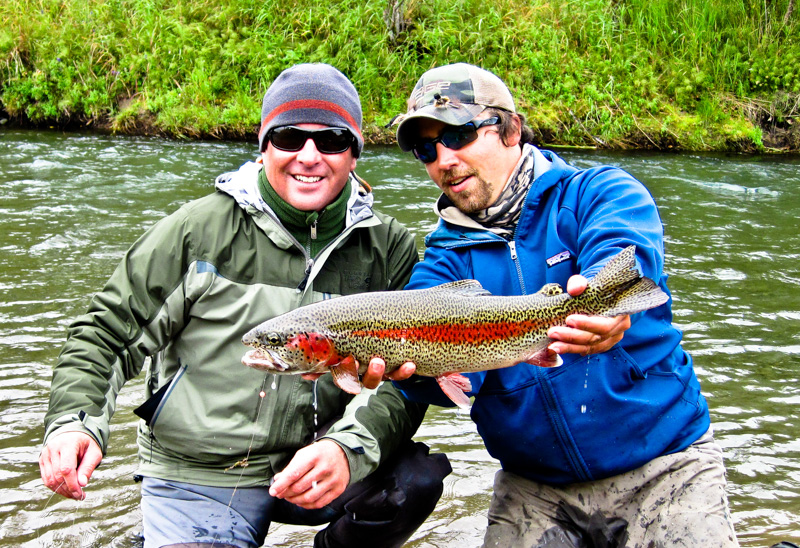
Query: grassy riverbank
point(666, 74)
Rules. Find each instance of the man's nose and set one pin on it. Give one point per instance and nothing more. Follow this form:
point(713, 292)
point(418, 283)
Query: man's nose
point(445, 157)
point(309, 153)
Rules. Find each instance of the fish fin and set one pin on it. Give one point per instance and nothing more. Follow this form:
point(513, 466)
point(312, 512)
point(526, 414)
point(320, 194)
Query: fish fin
point(621, 284)
point(618, 270)
point(643, 295)
point(345, 375)
point(455, 386)
point(544, 358)
point(551, 289)
point(468, 288)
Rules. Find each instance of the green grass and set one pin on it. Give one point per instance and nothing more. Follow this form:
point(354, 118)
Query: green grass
point(680, 74)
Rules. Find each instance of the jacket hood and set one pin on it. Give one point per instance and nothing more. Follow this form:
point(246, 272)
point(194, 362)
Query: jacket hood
point(242, 186)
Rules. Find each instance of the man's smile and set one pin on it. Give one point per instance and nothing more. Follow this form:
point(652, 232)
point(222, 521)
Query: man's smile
point(308, 178)
point(457, 182)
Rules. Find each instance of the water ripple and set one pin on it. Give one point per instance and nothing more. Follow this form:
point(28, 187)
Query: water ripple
point(72, 205)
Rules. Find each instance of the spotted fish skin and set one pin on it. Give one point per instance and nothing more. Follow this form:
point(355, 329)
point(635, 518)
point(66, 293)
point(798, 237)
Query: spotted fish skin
point(454, 327)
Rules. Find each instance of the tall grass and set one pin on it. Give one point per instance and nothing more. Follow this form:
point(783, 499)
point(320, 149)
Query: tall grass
point(661, 73)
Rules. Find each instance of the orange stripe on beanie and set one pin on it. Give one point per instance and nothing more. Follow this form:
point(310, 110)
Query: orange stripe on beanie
point(311, 104)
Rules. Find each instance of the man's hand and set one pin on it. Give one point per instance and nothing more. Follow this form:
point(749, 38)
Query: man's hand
point(316, 476)
point(68, 461)
point(375, 373)
point(586, 334)
point(377, 367)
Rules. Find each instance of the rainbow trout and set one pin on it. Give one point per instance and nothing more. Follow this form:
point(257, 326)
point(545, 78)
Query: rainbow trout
point(452, 328)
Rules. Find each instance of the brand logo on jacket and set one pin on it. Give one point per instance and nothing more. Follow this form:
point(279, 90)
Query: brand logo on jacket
point(559, 258)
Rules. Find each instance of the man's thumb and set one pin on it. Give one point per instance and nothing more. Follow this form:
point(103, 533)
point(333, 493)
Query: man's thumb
point(91, 459)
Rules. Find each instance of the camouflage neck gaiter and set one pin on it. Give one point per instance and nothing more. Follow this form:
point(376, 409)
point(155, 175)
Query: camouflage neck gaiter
point(502, 216)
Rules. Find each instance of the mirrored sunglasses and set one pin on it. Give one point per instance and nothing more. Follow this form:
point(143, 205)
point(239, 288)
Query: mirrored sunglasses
point(453, 137)
point(331, 140)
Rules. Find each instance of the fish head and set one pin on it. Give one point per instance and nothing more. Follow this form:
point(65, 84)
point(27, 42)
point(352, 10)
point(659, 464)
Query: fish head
point(288, 350)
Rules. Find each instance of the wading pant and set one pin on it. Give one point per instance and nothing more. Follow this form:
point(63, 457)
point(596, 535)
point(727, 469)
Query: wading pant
point(673, 501)
point(381, 511)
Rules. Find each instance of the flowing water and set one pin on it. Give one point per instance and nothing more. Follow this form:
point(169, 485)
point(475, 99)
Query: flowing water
point(70, 205)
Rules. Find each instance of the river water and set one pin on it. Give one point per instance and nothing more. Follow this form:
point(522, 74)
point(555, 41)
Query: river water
point(71, 204)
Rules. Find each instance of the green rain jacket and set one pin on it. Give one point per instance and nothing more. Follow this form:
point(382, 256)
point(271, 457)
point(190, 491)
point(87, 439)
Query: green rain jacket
point(179, 303)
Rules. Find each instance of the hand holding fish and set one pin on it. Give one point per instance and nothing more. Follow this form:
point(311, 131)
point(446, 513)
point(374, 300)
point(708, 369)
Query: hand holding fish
point(316, 476)
point(586, 334)
point(67, 462)
point(376, 373)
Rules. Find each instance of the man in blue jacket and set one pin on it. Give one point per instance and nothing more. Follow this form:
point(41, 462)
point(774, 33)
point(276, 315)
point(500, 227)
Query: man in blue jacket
point(615, 443)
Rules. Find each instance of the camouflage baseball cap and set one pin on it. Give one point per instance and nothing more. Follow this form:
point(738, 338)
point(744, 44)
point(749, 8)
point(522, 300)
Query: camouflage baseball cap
point(453, 94)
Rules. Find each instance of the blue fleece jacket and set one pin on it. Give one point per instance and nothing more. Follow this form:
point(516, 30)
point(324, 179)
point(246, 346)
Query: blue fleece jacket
point(595, 416)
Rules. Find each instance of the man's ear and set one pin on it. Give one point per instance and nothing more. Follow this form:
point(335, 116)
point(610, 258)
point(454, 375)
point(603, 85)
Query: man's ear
point(515, 135)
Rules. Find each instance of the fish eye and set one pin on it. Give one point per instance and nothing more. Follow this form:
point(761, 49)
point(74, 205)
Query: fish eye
point(274, 339)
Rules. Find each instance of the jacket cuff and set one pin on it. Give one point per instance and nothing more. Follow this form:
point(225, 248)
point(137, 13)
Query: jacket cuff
point(75, 423)
point(360, 465)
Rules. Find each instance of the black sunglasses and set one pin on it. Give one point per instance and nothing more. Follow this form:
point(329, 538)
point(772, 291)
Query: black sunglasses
point(453, 137)
point(329, 140)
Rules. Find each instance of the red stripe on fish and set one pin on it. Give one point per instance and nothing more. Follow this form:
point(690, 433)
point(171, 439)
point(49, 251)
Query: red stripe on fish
point(456, 333)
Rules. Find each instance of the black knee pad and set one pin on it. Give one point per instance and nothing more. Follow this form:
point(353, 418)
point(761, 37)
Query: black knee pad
point(390, 504)
point(420, 475)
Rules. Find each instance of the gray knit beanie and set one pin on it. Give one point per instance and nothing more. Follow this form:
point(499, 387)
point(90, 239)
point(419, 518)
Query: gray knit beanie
point(312, 93)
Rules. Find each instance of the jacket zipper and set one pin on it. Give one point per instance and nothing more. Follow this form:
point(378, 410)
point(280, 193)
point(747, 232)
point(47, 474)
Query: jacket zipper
point(309, 258)
point(512, 246)
point(309, 265)
point(307, 252)
point(160, 407)
point(551, 403)
point(310, 261)
point(574, 457)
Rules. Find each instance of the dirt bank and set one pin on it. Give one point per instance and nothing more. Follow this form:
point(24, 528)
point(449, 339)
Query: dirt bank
point(777, 136)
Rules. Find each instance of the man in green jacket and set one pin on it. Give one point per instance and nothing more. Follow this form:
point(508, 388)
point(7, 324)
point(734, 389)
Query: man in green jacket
point(224, 450)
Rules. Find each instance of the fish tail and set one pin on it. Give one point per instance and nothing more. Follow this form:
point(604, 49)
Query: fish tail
point(619, 288)
point(641, 296)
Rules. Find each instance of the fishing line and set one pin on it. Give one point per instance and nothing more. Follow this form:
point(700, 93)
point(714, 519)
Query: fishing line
point(243, 463)
point(315, 410)
point(79, 502)
point(46, 504)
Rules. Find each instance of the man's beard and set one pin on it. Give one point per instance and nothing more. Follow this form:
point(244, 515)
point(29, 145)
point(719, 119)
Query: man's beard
point(475, 199)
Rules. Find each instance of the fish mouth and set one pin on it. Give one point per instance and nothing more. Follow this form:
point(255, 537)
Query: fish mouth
point(259, 359)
